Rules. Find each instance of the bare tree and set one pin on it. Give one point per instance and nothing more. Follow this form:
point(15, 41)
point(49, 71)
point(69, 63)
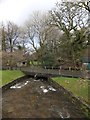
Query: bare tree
point(68, 17)
point(12, 35)
point(73, 21)
point(36, 31)
point(3, 37)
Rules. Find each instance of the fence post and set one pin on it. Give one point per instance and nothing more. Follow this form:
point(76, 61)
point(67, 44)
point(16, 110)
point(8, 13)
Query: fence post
point(60, 70)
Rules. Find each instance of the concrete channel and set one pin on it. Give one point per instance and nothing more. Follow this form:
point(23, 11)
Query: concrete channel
point(31, 97)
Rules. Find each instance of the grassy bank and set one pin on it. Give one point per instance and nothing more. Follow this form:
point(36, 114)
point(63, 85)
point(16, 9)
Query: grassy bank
point(79, 87)
point(8, 75)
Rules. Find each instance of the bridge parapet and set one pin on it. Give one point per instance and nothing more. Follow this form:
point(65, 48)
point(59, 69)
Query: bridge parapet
point(54, 72)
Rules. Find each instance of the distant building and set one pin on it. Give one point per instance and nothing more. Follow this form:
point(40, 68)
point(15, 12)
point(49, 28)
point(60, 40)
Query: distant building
point(86, 57)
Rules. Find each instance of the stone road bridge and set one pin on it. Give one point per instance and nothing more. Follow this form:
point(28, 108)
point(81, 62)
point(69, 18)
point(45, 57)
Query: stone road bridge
point(37, 71)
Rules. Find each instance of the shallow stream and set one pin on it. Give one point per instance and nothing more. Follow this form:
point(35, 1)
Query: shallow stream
point(37, 98)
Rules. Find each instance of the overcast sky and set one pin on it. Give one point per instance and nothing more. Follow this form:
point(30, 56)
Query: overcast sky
point(19, 10)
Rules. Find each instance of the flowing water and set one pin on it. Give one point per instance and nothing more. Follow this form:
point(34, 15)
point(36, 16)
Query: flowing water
point(34, 98)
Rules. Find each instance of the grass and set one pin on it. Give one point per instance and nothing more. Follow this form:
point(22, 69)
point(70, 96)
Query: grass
point(79, 87)
point(7, 76)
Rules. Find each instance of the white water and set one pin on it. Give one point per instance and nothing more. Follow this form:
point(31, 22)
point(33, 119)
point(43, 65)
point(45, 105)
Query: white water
point(19, 85)
point(49, 88)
